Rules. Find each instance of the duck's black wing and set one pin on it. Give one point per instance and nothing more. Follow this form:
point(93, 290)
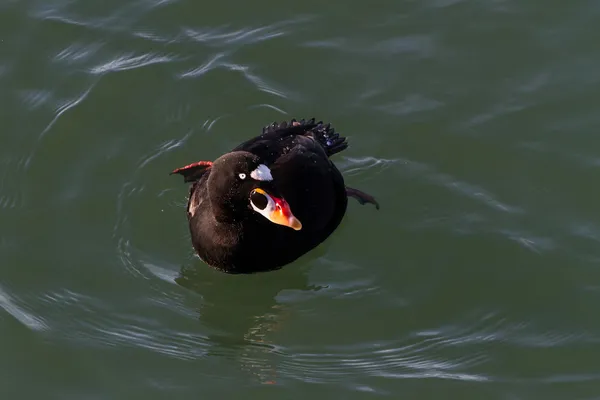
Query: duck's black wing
point(278, 138)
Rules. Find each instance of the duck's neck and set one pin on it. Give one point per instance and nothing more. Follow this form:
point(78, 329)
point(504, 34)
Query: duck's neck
point(216, 230)
point(221, 212)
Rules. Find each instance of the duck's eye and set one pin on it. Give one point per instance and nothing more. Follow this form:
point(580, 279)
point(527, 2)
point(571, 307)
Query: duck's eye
point(259, 200)
point(242, 176)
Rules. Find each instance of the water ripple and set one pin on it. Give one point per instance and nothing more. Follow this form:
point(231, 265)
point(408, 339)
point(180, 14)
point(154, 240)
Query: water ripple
point(180, 345)
point(159, 3)
point(463, 188)
point(164, 148)
point(256, 80)
point(272, 107)
point(212, 63)
point(34, 99)
point(354, 166)
point(537, 244)
point(131, 61)
point(29, 320)
point(154, 37)
point(391, 362)
point(412, 104)
point(220, 37)
point(210, 123)
point(215, 62)
point(420, 44)
point(9, 201)
point(51, 16)
point(147, 339)
point(77, 52)
point(10, 188)
point(67, 106)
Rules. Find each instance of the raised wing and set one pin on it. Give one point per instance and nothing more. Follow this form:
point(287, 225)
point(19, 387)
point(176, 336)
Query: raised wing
point(278, 136)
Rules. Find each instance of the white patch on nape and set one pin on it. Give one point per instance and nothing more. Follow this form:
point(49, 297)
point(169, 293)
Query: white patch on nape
point(262, 173)
point(193, 204)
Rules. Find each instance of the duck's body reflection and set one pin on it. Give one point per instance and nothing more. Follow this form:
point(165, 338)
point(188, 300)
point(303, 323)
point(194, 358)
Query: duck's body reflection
point(240, 311)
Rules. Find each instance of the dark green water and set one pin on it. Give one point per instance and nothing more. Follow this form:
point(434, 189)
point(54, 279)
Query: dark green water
point(474, 123)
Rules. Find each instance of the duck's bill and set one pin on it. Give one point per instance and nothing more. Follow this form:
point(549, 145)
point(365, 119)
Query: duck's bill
point(275, 209)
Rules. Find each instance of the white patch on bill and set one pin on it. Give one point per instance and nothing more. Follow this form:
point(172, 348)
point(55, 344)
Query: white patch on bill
point(262, 173)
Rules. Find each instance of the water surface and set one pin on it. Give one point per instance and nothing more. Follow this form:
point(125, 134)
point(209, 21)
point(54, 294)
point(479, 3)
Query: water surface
point(473, 123)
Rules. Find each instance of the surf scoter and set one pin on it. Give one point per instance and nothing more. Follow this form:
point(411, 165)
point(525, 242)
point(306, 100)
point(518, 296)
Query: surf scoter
point(270, 200)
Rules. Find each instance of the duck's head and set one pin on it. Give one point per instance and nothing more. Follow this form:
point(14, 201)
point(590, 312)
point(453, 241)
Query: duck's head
point(240, 183)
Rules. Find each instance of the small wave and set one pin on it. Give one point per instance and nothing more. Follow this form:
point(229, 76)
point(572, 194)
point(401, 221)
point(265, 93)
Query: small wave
point(537, 244)
point(495, 326)
point(131, 61)
point(34, 99)
point(67, 106)
point(438, 353)
point(245, 35)
point(421, 45)
point(183, 346)
point(585, 229)
point(125, 256)
point(355, 166)
point(159, 3)
point(350, 288)
point(256, 80)
point(389, 362)
point(412, 104)
point(164, 148)
point(466, 189)
point(99, 325)
point(270, 106)
point(153, 37)
point(220, 36)
point(167, 275)
point(550, 339)
point(12, 167)
point(495, 112)
point(50, 15)
point(215, 62)
point(210, 123)
point(212, 63)
point(29, 320)
point(66, 298)
point(418, 44)
point(10, 200)
point(77, 52)
point(334, 43)
point(254, 35)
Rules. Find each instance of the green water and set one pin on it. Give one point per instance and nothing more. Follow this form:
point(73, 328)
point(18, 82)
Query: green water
point(474, 123)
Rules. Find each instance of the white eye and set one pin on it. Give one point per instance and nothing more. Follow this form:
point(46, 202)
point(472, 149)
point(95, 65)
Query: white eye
point(242, 176)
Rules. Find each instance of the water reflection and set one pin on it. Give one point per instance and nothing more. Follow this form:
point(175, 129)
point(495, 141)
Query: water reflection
point(241, 313)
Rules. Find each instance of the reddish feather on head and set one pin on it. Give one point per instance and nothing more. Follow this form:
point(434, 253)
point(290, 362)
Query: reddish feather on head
point(193, 171)
point(205, 164)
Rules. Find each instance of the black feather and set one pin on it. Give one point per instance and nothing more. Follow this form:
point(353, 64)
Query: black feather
point(324, 134)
